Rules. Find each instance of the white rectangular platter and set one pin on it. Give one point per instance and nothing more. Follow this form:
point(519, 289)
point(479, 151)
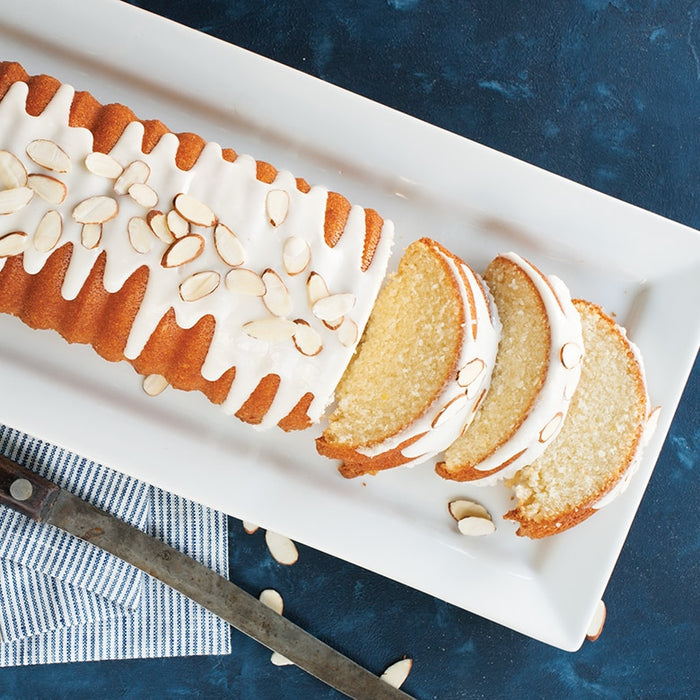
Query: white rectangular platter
point(642, 268)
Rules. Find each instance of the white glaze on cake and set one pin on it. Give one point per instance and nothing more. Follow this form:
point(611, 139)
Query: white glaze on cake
point(545, 418)
point(238, 199)
point(454, 408)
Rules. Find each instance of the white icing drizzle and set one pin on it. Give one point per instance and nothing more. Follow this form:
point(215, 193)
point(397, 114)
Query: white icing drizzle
point(555, 396)
point(237, 197)
point(438, 433)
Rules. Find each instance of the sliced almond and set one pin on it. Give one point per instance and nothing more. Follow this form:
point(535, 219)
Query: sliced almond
point(227, 245)
point(91, 235)
point(194, 211)
point(159, 225)
point(306, 339)
point(470, 372)
point(249, 527)
point(570, 354)
point(296, 255)
point(272, 599)
point(396, 674)
point(103, 164)
point(335, 324)
point(277, 206)
point(48, 232)
point(12, 173)
point(348, 332)
point(333, 307)
point(279, 660)
point(474, 526)
point(144, 195)
point(282, 549)
point(12, 243)
point(48, 154)
point(136, 172)
point(183, 250)
point(462, 508)
point(49, 188)
point(552, 427)
point(277, 298)
point(96, 210)
point(154, 384)
point(244, 281)
point(316, 288)
point(273, 330)
point(597, 623)
point(178, 226)
point(140, 234)
point(451, 409)
point(199, 285)
point(14, 199)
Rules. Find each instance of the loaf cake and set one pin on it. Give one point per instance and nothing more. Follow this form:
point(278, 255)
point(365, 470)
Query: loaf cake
point(538, 366)
point(208, 269)
point(600, 442)
point(421, 369)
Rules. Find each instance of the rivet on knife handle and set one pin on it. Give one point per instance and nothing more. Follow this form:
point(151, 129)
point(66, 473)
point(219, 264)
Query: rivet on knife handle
point(25, 491)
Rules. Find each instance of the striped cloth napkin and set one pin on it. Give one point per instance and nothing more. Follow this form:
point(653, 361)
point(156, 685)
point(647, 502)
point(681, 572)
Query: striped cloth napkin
point(62, 599)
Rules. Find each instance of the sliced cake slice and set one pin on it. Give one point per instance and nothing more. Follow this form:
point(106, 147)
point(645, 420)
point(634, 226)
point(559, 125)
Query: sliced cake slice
point(422, 367)
point(537, 369)
point(600, 443)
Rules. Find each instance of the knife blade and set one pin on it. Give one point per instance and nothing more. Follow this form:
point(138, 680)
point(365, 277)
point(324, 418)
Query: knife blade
point(43, 501)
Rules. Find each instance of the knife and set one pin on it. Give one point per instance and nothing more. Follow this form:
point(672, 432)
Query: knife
point(45, 502)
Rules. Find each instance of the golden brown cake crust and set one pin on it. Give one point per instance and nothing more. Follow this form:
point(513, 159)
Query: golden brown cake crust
point(27, 296)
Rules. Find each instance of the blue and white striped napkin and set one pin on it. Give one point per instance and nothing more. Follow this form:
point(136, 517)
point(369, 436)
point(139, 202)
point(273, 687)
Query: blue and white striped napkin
point(62, 599)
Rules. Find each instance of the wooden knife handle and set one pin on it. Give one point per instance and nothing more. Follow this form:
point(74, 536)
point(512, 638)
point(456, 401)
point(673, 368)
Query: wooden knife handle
point(25, 491)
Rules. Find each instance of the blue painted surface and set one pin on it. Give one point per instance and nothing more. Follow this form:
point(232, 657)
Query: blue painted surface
point(605, 92)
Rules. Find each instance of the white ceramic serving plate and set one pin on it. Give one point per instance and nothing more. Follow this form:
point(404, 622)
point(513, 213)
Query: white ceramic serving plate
point(476, 201)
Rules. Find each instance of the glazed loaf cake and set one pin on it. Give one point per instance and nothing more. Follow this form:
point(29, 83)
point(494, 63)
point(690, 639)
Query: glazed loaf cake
point(201, 267)
point(422, 368)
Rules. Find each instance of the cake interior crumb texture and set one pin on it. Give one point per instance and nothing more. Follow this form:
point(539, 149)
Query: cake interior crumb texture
point(600, 434)
point(406, 355)
point(520, 370)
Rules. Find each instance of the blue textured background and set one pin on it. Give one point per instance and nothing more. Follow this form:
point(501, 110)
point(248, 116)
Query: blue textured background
point(605, 92)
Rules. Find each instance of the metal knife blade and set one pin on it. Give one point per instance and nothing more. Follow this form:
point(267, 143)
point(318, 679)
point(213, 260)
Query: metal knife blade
point(43, 501)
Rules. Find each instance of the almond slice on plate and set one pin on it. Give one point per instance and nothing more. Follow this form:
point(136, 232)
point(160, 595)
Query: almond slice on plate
point(183, 250)
point(199, 285)
point(277, 206)
point(277, 298)
point(178, 226)
point(14, 199)
point(49, 188)
point(12, 172)
point(104, 165)
point(316, 288)
point(48, 231)
point(154, 384)
point(282, 549)
point(227, 245)
point(244, 281)
point(475, 526)
point(96, 210)
point(48, 154)
point(12, 243)
point(194, 211)
point(136, 172)
point(463, 508)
